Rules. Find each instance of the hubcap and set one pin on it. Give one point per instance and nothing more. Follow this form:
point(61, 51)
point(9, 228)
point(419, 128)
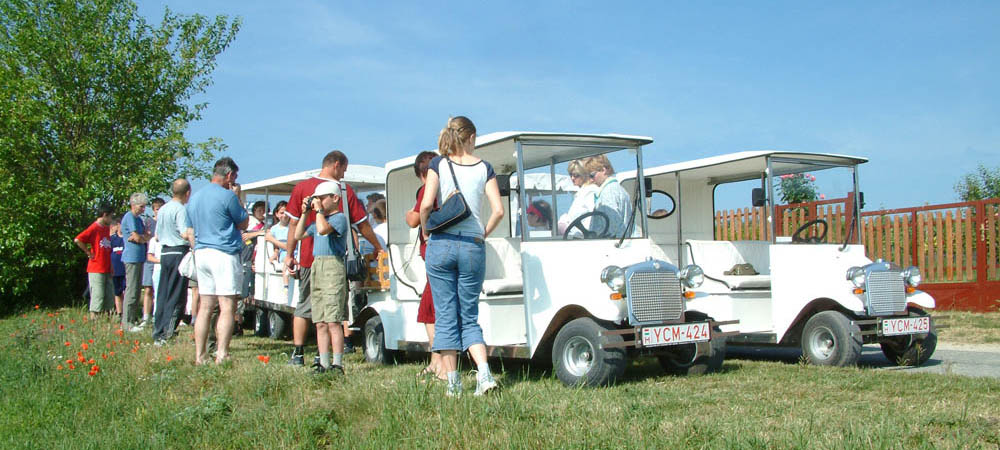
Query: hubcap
point(578, 356)
point(823, 343)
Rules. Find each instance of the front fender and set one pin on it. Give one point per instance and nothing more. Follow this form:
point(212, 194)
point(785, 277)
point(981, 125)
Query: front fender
point(921, 299)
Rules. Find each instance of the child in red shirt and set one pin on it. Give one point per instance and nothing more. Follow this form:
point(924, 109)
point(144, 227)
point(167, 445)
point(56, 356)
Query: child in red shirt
point(95, 241)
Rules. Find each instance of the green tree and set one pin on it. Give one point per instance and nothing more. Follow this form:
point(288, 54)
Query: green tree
point(94, 103)
point(979, 185)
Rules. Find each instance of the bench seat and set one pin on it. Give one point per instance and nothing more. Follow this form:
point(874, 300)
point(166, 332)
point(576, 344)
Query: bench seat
point(717, 257)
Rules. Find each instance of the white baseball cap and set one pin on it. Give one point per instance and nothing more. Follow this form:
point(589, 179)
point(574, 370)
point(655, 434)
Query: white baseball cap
point(327, 188)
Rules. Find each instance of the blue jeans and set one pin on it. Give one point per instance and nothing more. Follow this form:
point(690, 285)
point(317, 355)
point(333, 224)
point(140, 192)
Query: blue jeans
point(456, 266)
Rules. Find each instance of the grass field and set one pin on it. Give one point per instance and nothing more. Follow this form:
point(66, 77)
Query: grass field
point(146, 396)
point(969, 328)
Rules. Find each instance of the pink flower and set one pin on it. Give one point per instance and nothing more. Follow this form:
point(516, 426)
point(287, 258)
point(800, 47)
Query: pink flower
point(812, 178)
point(822, 197)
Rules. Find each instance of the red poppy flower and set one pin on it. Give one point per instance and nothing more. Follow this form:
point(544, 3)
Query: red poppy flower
point(24, 316)
point(32, 320)
point(95, 368)
point(108, 345)
point(170, 358)
point(264, 359)
point(81, 358)
point(51, 315)
point(37, 306)
point(62, 327)
point(67, 343)
point(72, 320)
point(71, 367)
point(91, 361)
point(59, 367)
point(134, 349)
point(69, 361)
point(84, 346)
point(90, 341)
point(136, 342)
point(111, 354)
point(104, 356)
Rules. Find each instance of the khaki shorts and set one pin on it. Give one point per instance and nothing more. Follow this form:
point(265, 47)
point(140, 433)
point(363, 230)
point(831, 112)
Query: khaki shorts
point(102, 292)
point(329, 290)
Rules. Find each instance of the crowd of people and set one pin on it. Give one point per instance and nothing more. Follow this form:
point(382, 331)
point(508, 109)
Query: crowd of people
point(134, 257)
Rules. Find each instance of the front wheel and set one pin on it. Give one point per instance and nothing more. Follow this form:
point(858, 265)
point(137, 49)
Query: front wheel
point(681, 360)
point(578, 358)
point(909, 350)
point(830, 339)
point(375, 350)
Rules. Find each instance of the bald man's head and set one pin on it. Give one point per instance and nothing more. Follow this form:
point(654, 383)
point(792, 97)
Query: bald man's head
point(180, 188)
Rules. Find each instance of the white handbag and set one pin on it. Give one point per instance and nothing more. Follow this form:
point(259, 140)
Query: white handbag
point(187, 267)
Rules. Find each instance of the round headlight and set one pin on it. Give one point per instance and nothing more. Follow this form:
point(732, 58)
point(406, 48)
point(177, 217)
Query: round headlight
point(912, 276)
point(692, 276)
point(614, 277)
point(856, 275)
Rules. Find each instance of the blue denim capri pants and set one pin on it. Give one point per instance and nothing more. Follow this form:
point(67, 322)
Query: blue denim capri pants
point(456, 266)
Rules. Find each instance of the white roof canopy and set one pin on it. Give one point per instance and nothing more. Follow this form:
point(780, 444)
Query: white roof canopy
point(540, 149)
point(749, 165)
point(360, 177)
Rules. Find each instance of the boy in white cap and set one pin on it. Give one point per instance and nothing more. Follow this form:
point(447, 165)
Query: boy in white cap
point(328, 289)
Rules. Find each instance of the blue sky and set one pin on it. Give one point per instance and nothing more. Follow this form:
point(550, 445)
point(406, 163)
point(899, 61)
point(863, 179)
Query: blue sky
point(914, 86)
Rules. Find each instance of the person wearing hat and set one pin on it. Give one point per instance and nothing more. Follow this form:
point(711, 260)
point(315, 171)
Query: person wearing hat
point(328, 288)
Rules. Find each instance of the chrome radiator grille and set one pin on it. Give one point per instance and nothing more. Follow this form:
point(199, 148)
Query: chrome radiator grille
point(886, 292)
point(655, 296)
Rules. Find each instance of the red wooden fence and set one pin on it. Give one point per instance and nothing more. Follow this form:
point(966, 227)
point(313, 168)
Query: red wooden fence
point(955, 245)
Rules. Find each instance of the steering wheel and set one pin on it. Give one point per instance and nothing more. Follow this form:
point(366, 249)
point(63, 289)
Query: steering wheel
point(796, 238)
point(588, 234)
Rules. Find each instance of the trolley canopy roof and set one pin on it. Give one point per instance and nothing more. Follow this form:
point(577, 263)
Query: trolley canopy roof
point(360, 177)
point(539, 148)
point(749, 165)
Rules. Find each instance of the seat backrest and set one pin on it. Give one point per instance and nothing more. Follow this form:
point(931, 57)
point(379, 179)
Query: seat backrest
point(717, 257)
point(503, 258)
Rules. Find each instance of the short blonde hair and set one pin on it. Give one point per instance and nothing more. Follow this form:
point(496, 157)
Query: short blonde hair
point(455, 134)
point(595, 163)
point(576, 168)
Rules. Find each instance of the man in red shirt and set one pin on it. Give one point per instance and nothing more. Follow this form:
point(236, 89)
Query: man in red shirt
point(98, 237)
point(334, 166)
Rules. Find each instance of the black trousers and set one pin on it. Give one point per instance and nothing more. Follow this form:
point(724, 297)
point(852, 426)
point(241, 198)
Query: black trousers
point(172, 295)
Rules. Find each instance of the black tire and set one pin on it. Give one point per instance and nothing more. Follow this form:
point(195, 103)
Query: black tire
point(261, 324)
point(908, 350)
point(578, 358)
point(374, 343)
point(277, 324)
point(830, 339)
point(680, 359)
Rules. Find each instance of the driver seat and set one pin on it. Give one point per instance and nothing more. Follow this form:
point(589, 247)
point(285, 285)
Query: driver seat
point(717, 257)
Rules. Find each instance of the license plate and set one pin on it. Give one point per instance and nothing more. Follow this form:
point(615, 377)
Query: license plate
point(909, 325)
point(675, 334)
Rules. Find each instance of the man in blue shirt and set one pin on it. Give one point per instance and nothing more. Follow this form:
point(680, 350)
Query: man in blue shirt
point(133, 256)
point(217, 218)
point(172, 230)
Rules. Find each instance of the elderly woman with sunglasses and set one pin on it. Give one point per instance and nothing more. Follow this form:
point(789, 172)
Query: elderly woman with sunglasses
point(585, 199)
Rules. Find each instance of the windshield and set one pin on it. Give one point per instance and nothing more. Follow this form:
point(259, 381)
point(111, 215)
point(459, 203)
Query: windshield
point(578, 199)
point(824, 194)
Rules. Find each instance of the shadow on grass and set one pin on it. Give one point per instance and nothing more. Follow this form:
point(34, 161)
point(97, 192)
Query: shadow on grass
point(871, 356)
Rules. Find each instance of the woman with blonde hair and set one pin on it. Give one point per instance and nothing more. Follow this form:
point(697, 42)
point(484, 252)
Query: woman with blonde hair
point(585, 199)
point(456, 256)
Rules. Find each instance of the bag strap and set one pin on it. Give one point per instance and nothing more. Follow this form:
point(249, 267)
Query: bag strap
point(347, 215)
point(451, 169)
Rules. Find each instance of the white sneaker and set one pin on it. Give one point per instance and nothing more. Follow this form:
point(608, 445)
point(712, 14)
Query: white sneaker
point(454, 390)
point(136, 329)
point(485, 384)
point(143, 323)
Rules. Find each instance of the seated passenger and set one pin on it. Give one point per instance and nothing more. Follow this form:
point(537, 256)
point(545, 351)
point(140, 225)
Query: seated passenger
point(583, 202)
point(540, 218)
point(612, 200)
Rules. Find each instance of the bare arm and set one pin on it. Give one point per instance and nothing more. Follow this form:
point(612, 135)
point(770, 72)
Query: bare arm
point(85, 249)
point(430, 196)
point(493, 195)
point(323, 226)
point(290, 242)
point(413, 218)
point(366, 230)
point(300, 229)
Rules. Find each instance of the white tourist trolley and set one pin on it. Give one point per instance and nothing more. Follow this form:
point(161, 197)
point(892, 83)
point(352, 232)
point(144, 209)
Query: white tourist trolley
point(822, 295)
point(586, 304)
point(274, 303)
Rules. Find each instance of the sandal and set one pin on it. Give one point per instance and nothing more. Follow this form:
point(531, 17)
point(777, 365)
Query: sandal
point(425, 372)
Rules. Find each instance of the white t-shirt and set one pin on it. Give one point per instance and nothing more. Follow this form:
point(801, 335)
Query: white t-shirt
point(472, 180)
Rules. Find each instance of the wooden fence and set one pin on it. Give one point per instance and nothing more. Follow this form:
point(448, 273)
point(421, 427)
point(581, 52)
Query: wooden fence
point(955, 245)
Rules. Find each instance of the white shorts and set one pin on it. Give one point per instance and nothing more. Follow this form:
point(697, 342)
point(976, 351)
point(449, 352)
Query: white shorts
point(219, 273)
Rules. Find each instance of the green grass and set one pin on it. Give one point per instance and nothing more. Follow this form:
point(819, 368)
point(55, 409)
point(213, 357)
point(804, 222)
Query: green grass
point(142, 400)
point(960, 327)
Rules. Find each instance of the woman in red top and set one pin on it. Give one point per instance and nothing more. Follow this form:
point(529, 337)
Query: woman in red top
point(98, 237)
point(425, 313)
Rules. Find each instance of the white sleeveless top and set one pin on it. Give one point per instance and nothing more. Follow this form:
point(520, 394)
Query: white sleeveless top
point(472, 180)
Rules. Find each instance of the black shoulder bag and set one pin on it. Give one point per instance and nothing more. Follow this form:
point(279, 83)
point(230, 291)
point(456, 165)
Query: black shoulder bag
point(354, 263)
point(453, 210)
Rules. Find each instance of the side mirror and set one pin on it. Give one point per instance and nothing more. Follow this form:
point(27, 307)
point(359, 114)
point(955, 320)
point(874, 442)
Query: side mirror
point(503, 182)
point(861, 199)
point(757, 197)
point(648, 186)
